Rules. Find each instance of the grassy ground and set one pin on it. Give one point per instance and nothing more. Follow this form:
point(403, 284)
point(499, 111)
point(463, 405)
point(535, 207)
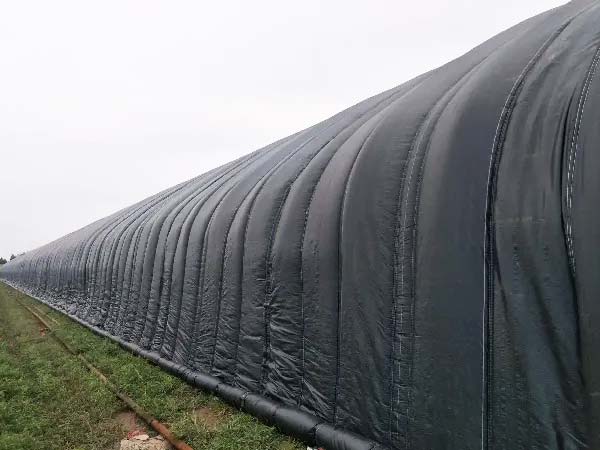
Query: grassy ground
point(48, 400)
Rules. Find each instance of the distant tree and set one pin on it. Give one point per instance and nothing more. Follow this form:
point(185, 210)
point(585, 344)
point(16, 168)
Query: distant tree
point(2, 261)
point(12, 257)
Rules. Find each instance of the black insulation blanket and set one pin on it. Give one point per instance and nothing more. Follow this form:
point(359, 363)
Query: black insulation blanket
point(420, 271)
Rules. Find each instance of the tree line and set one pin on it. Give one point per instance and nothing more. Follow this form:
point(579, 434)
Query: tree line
point(4, 261)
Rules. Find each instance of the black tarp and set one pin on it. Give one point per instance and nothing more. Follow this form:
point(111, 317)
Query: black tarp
point(420, 271)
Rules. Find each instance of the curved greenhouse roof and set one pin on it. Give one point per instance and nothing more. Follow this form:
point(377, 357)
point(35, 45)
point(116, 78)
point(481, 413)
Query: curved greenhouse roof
point(419, 271)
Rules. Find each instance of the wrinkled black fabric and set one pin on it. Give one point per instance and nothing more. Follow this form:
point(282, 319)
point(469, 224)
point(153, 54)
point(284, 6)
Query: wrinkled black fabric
point(419, 271)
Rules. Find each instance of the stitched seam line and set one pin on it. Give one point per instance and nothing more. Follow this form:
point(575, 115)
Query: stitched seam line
point(572, 157)
point(489, 240)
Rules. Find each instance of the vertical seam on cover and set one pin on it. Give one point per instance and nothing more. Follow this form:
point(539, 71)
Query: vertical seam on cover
point(220, 293)
point(400, 229)
point(201, 276)
point(303, 237)
point(375, 126)
point(489, 237)
point(274, 228)
point(174, 210)
point(200, 284)
point(124, 222)
point(156, 341)
point(201, 198)
point(259, 186)
point(572, 157)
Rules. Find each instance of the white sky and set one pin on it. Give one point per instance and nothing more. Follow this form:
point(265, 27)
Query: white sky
point(105, 103)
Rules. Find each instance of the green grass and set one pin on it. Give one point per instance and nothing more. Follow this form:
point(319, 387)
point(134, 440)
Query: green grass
point(48, 400)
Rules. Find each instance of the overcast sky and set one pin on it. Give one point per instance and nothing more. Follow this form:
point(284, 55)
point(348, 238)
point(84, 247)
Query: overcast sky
point(105, 103)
